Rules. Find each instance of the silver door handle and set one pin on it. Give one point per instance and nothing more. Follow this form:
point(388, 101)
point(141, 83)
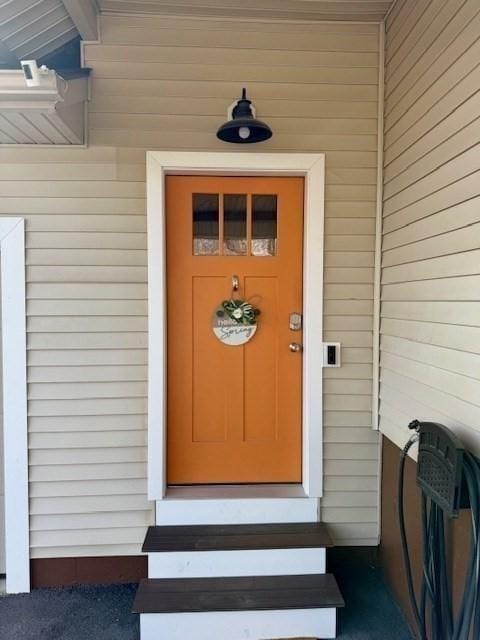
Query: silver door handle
point(295, 347)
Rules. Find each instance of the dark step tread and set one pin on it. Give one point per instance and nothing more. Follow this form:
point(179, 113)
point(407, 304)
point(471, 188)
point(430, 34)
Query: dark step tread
point(231, 537)
point(182, 595)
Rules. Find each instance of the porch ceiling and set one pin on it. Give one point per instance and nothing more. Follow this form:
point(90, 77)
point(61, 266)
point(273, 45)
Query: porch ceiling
point(36, 28)
point(310, 10)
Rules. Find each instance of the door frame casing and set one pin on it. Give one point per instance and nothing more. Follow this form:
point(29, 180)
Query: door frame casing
point(312, 168)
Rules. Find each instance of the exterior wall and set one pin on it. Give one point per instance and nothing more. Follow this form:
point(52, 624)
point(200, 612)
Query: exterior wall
point(165, 83)
point(430, 336)
point(430, 328)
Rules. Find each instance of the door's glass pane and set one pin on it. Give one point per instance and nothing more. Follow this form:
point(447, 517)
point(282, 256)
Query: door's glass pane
point(264, 225)
point(235, 225)
point(205, 224)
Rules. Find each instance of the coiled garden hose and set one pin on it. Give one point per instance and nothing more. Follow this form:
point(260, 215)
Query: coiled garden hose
point(435, 596)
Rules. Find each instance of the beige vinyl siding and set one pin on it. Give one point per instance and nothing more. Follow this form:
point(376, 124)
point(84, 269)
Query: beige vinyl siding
point(87, 338)
point(430, 330)
point(166, 83)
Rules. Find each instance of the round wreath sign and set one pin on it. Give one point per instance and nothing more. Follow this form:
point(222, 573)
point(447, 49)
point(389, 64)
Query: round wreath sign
point(235, 322)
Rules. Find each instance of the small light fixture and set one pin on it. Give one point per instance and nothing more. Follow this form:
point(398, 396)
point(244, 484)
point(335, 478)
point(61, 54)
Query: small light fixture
point(242, 126)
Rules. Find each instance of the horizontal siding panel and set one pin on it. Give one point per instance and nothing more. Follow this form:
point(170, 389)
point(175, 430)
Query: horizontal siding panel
point(81, 290)
point(210, 96)
point(87, 537)
point(336, 499)
point(459, 264)
point(351, 468)
point(425, 34)
point(86, 257)
point(459, 288)
point(447, 174)
point(192, 140)
point(91, 439)
point(197, 122)
point(86, 240)
point(85, 423)
point(42, 457)
point(73, 390)
point(451, 224)
point(147, 34)
point(131, 486)
point(237, 72)
point(359, 355)
point(460, 386)
point(349, 514)
point(350, 435)
point(400, 174)
point(120, 340)
point(347, 419)
point(87, 407)
point(466, 413)
point(94, 357)
point(450, 66)
point(431, 128)
point(85, 273)
point(441, 335)
point(87, 505)
point(72, 189)
point(70, 205)
point(348, 451)
point(457, 313)
point(347, 308)
point(347, 387)
point(98, 373)
point(65, 473)
point(102, 308)
point(93, 324)
point(131, 549)
point(459, 362)
point(159, 54)
point(354, 485)
point(78, 521)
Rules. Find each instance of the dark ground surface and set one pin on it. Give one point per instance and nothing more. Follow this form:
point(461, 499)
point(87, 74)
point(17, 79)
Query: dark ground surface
point(103, 612)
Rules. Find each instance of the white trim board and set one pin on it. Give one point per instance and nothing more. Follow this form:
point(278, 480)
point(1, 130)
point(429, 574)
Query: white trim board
point(14, 366)
point(312, 168)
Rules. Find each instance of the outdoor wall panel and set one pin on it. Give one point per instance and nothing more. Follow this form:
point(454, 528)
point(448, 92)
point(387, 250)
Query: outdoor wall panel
point(431, 231)
point(166, 83)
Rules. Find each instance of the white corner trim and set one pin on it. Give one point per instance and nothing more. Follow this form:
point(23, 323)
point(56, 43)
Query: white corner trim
point(14, 368)
point(312, 168)
point(378, 232)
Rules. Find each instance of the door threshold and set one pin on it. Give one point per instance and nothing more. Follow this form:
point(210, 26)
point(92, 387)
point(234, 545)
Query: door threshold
point(235, 492)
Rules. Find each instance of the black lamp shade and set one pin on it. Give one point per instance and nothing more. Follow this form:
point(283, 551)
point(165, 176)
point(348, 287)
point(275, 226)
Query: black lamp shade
point(243, 128)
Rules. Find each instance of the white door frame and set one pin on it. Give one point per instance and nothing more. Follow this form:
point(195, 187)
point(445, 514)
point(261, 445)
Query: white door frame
point(14, 369)
point(312, 168)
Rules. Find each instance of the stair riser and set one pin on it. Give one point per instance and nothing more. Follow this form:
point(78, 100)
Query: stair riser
point(239, 625)
point(239, 511)
point(252, 562)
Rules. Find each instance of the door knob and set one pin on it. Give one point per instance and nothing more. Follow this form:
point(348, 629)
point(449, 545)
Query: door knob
point(295, 347)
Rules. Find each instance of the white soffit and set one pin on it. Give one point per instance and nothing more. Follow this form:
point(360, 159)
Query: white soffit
point(308, 10)
point(51, 113)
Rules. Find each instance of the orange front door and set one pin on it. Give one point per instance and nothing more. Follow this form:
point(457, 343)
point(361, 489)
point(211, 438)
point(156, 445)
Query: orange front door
point(234, 412)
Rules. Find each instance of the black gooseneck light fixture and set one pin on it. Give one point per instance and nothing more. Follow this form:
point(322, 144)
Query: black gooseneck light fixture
point(242, 126)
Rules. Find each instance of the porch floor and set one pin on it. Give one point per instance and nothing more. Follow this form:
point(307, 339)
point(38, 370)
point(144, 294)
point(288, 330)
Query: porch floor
point(103, 612)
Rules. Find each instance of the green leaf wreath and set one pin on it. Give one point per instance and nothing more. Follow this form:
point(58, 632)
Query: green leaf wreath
point(239, 311)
